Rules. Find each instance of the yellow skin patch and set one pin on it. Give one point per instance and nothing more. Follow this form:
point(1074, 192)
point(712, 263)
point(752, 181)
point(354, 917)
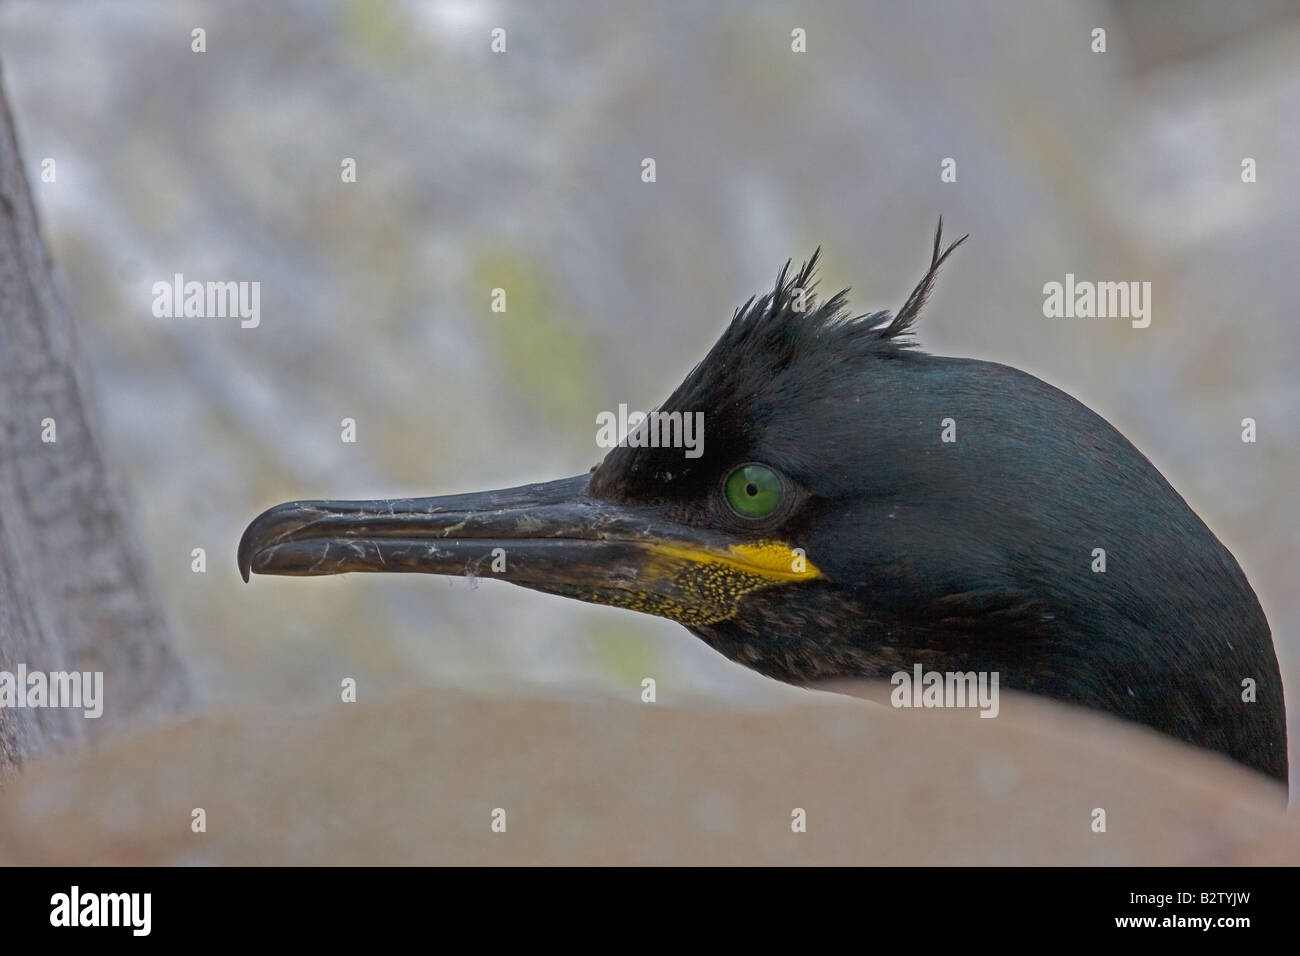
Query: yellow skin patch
point(706, 586)
point(769, 559)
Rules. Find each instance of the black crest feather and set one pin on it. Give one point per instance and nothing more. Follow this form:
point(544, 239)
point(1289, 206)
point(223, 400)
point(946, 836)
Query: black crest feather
point(789, 333)
point(780, 308)
point(779, 349)
point(911, 309)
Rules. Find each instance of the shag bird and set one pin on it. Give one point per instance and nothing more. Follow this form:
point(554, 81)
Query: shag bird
point(861, 507)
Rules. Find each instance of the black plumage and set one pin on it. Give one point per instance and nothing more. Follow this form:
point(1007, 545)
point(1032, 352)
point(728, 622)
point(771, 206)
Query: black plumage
point(975, 554)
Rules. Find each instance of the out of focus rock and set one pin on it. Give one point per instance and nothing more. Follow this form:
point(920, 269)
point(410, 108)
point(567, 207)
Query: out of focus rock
point(417, 779)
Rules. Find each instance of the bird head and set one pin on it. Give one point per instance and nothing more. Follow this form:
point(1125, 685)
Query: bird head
point(857, 507)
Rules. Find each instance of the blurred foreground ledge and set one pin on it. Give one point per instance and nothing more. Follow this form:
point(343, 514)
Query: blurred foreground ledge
point(415, 780)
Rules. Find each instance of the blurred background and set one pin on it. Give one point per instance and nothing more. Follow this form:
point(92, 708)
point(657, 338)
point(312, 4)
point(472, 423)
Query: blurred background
point(522, 171)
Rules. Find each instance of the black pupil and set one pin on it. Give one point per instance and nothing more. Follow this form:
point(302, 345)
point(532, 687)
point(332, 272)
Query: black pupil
point(751, 489)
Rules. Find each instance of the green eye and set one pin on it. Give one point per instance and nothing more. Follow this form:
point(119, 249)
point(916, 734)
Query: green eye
point(753, 491)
